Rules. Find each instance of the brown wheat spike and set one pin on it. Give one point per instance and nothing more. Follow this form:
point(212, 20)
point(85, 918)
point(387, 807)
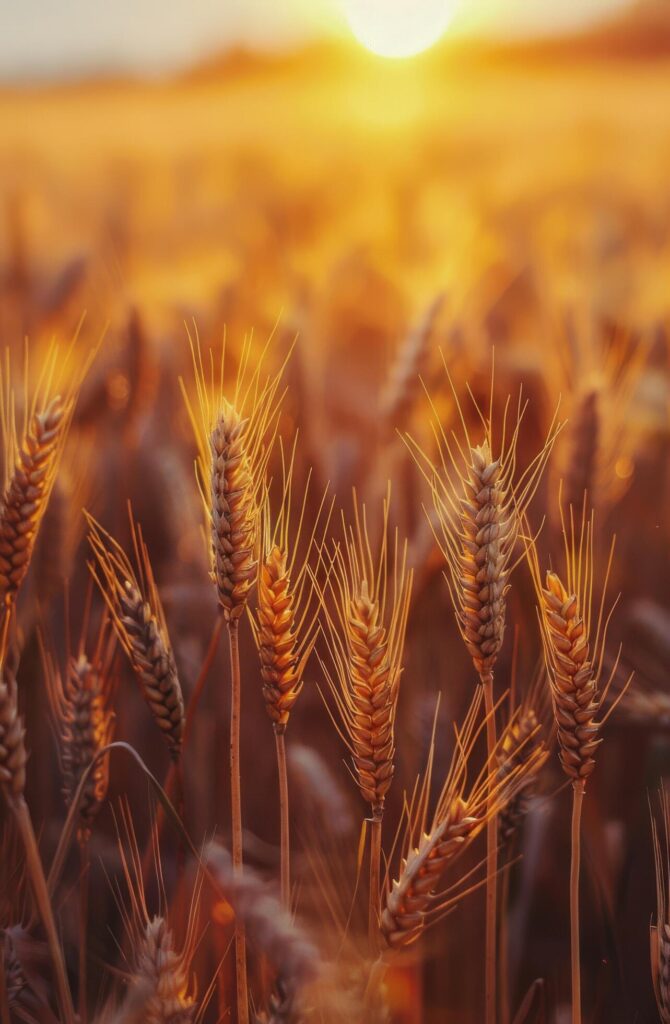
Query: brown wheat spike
point(234, 437)
point(31, 456)
point(414, 898)
point(582, 440)
point(574, 647)
point(525, 739)
point(599, 371)
point(479, 500)
point(159, 970)
point(404, 377)
point(285, 622)
point(659, 934)
point(83, 719)
point(13, 755)
point(270, 929)
point(137, 614)
point(365, 636)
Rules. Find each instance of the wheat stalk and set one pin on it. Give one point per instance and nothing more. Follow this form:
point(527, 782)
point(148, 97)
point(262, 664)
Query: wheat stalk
point(234, 435)
point(574, 651)
point(365, 637)
point(285, 621)
point(12, 781)
point(136, 611)
point(479, 500)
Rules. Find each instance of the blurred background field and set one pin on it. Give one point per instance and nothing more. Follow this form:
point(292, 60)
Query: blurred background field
point(329, 195)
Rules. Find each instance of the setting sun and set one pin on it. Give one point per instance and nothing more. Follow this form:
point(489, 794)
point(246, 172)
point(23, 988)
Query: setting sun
point(398, 28)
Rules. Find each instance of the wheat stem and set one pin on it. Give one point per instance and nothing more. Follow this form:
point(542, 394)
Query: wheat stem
point(285, 847)
point(575, 854)
point(40, 891)
point(236, 814)
point(83, 927)
point(375, 869)
point(503, 946)
point(491, 855)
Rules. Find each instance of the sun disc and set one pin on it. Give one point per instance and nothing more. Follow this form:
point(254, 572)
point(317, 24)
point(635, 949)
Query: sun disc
point(398, 28)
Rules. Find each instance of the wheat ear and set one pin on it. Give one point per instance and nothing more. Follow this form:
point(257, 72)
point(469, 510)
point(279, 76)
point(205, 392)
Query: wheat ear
point(131, 595)
point(234, 434)
point(32, 453)
point(479, 500)
point(161, 972)
point(285, 621)
point(365, 636)
point(574, 649)
point(403, 385)
point(413, 897)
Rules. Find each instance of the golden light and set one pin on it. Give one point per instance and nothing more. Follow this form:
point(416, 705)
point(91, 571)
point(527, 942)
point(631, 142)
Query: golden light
point(398, 28)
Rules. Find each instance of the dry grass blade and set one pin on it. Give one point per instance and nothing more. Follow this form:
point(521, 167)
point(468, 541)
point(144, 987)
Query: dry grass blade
point(137, 614)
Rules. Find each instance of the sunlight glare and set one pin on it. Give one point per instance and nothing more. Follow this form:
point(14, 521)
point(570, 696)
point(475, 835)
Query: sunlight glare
point(398, 28)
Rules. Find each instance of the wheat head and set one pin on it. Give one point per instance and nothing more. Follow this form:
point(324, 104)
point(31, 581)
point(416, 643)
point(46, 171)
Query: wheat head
point(132, 598)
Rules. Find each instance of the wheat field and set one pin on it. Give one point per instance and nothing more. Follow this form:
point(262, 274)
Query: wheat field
point(334, 543)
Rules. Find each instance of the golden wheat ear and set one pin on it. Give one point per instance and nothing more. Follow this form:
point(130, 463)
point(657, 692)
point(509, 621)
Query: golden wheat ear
point(80, 697)
point(479, 497)
point(159, 968)
point(234, 423)
point(365, 604)
point(285, 621)
point(131, 595)
point(574, 635)
point(428, 846)
point(32, 452)
point(526, 737)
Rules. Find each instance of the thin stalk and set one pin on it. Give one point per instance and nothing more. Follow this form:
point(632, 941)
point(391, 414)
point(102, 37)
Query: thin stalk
point(491, 857)
point(41, 894)
point(375, 867)
point(83, 927)
point(503, 947)
point(285, 846)
point(575, 855)
point(236, 815)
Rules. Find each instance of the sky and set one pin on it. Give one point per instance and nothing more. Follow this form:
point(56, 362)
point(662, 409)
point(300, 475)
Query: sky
point(61, 38)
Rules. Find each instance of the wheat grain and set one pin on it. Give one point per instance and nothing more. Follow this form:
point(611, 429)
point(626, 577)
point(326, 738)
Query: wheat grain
point(13, 755)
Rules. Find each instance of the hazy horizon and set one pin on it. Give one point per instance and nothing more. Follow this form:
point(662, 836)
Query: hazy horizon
point(79, 37)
